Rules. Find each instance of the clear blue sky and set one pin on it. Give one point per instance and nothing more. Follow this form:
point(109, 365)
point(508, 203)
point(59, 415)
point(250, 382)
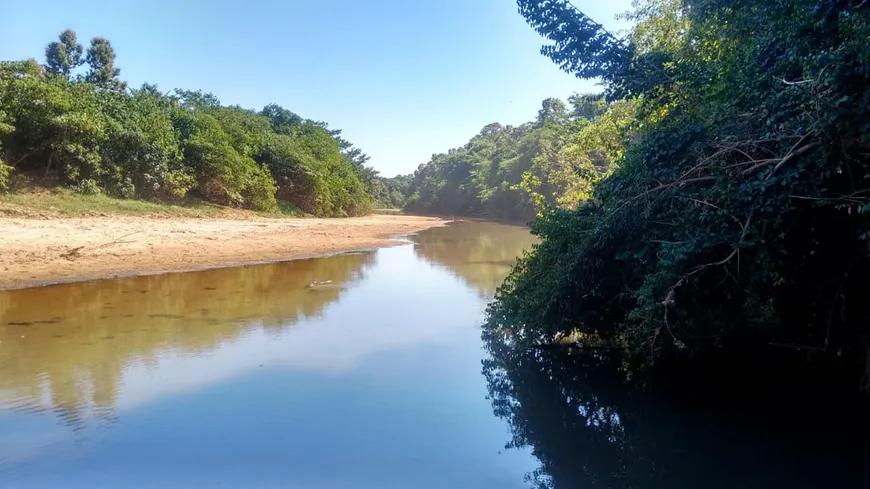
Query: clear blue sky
point(402, 78)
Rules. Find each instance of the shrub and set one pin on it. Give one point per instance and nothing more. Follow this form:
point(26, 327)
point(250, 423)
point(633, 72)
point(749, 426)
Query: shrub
point(87, 186)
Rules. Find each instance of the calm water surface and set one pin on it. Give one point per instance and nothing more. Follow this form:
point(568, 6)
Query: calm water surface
point(249, 378)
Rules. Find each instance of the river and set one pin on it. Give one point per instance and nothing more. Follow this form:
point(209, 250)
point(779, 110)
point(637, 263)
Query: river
point(248, 377)
point(375, 377)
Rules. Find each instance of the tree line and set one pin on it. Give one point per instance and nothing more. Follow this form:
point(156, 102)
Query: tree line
point(73, 120)
point(733, 215)
point(508, 172)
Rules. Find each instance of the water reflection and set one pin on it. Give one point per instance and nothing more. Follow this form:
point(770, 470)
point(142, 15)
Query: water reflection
point(64, 348)
point(589, 427)
point(481, 253)
point(249, 378)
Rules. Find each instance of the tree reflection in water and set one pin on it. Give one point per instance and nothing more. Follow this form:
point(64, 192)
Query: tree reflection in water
point(65, 348)
point(590, 427)
point(480, 253)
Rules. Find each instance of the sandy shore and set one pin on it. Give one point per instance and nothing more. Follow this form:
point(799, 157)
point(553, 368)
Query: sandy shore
point(38, 252)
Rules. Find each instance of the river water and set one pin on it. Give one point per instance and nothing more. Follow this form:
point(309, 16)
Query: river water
point(248, 377)
point(374, 378)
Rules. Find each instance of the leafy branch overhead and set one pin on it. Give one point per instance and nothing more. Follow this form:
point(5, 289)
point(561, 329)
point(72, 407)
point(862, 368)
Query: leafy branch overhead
point(580, 45)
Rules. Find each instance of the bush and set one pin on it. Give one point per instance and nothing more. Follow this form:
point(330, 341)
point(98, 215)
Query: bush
point(175, 186)
point(126, 189)
point(88, 186)
point(259, 191)
point(5, 172)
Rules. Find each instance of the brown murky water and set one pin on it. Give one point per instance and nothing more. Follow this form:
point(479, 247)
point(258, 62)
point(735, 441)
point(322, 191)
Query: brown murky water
point(251, 377)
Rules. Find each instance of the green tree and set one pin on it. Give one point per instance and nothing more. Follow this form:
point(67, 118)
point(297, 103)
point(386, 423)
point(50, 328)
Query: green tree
point(196, 99)
point(553, 111)
point(64, 55)
point(57, 126)
point(588, 106)
point(101, 60)
point(141, 148)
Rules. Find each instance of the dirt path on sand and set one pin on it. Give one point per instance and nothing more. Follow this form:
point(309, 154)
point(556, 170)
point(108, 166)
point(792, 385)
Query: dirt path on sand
point(38, 252)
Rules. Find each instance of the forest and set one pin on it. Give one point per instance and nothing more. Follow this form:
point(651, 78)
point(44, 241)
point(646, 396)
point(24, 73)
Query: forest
point(72, 121)
point(731, 219)
point(514, 173)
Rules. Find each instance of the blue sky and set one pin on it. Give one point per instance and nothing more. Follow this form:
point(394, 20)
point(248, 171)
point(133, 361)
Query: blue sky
point(403, 79)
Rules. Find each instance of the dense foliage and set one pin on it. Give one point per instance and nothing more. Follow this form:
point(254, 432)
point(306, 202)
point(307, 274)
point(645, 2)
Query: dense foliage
point(511, 172)
point(391, 193)
point(737, 216)
point(90, 131)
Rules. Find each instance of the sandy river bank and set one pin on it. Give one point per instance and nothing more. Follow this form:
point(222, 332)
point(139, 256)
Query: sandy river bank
point(38, 252)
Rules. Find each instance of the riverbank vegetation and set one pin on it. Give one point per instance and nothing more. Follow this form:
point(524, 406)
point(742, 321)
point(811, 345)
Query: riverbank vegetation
point(513, 173)
point(717, 273)
point(391, 193)
point(733, 215)
point(73, 122)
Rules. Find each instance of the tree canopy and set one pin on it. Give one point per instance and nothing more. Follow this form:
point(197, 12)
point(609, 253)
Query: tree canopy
point(64, 55)
point(87, 129)
point(514, 173)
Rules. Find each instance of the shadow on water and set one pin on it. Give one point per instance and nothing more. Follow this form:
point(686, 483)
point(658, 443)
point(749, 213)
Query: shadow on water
point(591, 427)
point(480, 253)
point(64, 348)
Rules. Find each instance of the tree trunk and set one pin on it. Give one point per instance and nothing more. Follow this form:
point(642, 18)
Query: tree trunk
point(48, 166)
